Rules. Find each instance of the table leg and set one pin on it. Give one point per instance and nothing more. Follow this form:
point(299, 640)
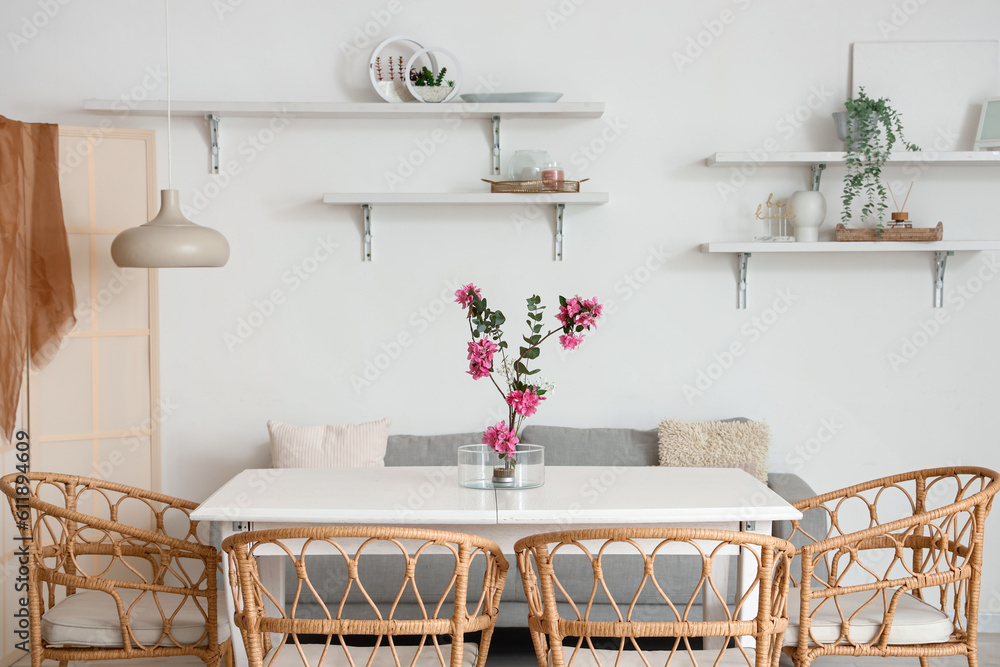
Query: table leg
point(746, 573)
point(227, 606)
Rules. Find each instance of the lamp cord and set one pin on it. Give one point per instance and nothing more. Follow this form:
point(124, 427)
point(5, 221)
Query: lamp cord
point(166, 22)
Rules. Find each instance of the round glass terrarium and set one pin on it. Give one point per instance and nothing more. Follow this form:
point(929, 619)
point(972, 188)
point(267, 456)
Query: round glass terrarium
point(480, 467)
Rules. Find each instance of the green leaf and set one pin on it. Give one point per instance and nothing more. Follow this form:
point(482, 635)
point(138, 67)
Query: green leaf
point(521, 368)
point(532, 353)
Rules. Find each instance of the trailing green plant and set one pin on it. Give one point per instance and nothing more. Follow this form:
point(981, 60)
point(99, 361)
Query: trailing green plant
point(878, 130)
point(425, 77)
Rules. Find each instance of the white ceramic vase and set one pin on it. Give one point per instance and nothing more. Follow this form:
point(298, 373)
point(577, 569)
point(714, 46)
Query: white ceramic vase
point(809, 209)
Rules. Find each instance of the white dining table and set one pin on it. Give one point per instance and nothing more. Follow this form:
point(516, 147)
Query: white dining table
point(572, 497)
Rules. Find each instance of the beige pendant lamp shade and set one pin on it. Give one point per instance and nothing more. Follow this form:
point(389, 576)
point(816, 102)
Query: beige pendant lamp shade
point(170, 240)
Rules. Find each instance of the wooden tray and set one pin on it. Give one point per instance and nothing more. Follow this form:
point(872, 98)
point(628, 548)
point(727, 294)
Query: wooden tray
point(889, 234)
point(534, 186)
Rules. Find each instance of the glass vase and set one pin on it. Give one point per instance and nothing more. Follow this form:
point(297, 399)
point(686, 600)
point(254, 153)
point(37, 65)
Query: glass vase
point(480, 467)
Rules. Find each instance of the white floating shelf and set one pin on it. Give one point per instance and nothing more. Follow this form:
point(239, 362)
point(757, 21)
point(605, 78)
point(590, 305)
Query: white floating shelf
point(407, 198)
point(559, 200)
point(215, 111)
point(943, 159)
point(350, 109)
point(853, 246)
point(941, 249)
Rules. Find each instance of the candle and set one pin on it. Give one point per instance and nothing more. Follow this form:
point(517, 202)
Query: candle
point(552, 171)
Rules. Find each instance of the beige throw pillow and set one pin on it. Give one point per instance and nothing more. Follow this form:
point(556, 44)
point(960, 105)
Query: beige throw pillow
point(330, 446)
point(731, 444)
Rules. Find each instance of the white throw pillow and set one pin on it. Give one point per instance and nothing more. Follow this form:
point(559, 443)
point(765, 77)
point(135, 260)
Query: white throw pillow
point(329, 446)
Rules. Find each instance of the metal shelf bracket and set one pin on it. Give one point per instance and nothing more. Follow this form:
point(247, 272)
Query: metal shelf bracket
point(213, 130)
point(560, 211)
point(817, 173)
point(743, 258)
point(366, 212)
point(941, 262)
point(496, 144)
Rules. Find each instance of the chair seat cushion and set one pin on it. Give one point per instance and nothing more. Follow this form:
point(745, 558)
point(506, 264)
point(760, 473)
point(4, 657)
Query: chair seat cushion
point(335, 656)
point(585, 658)
point(90, 618)
point(915, 622)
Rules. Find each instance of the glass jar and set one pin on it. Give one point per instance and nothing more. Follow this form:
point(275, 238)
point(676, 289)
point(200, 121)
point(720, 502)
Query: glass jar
point(552, 171)
point(527, 165)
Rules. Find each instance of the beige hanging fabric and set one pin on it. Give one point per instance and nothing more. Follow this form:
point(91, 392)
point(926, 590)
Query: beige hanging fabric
point(36, 281)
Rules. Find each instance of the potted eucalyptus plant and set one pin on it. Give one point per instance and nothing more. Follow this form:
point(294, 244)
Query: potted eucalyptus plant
point(870, 128)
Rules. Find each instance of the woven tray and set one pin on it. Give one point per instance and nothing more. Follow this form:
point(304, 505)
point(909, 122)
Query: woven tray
point(534, 186)
point(889, 234)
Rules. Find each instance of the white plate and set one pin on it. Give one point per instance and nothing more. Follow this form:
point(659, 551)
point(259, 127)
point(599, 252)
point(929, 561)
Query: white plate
point(511, 97)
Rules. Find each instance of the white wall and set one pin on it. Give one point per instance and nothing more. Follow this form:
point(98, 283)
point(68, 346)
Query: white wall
point(826, 360)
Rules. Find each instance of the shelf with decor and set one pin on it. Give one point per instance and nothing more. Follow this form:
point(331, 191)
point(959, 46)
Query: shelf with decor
point(806, 158)
point(941, 249)
point(214, 112)
point(558, 200)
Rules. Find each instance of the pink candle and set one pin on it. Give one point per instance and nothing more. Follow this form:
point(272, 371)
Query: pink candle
point(552, 171)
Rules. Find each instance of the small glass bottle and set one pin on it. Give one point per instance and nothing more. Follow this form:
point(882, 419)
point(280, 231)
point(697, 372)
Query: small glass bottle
point(552, 171)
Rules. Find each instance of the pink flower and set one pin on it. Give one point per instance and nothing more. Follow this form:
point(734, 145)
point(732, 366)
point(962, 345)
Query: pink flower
point(579, 312)
point(570, 341)
point(481, 358)
point(464, 295)
point(525, 403)
point(500, 438)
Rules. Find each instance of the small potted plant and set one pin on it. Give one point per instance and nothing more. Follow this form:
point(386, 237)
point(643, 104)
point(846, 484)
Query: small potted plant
point(430, 87)
point(870, 129)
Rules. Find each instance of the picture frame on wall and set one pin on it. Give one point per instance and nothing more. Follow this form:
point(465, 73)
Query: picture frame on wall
point(988, 134)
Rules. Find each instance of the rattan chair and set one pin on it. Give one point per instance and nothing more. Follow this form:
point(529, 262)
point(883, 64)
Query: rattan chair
point(427, 610)
point(631, 570)
point(114, 572)
point(898, 572)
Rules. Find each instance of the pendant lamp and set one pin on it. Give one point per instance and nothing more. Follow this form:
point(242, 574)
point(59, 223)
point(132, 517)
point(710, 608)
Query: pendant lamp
point(169, 240)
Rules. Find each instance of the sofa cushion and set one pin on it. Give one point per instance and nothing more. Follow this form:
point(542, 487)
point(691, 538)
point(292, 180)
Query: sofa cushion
point(428, 450)
point(329, 446)
point(90, 618)
point(566, 446)
point(715, 445)
point(915, 622)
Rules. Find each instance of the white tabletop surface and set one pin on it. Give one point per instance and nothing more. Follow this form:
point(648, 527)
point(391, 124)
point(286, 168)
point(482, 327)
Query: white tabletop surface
point(644, 494)
point(432, 496)
point(397, 495)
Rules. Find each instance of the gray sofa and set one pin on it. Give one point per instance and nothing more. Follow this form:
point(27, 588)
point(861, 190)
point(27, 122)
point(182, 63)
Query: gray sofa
point(563, 446)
